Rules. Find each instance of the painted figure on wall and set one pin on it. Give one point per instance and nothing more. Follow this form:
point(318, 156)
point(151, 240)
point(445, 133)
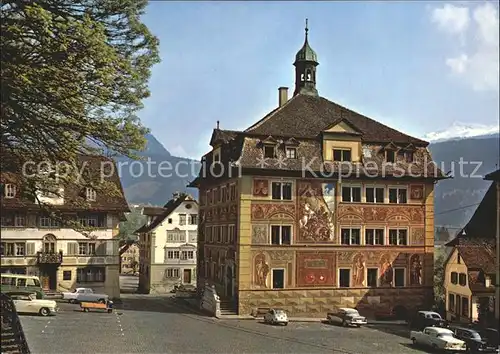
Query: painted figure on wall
point(359, 270)
point(260, 188)
point(261, 270)
point(386, 271)
point(316, 222)
point(416, 270)
point(417, 192)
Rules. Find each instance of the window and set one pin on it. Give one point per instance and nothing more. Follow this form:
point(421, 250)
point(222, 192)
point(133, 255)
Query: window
point(454, 277)
point(219, 233)
point(281, 235)
point(374, 236)
point(351, 194)
point(232, 191)
point(282, 190)
point(173, 254)
point(278, 278)
point(232, 233)
point(20, 220)
point(66, 274)
point(90, 194)
point(8, 281)
point(372, 277)
point(374, 194)
point(20, 249)
point(10, 191)
point(291, 153)
point(182, 219)
point(390, 156)
point(451, 302)
point(48, 222)
point(350, 236)
point(341, 155)
point(49, 244)
point(462, 279)
point(86, 248)
point(269, 152)
point(173, 273)
point(398, 195)
point(170, 220)
point(344, 278)
point(465, 306)
point(187, 255)
point(193, 236)
point(398, 237)
point(176, 236)
point(13, 249)
point(89, 221)
point(90, 274)
point(193, 219)
point(409, 156)
point(209, 197)
point(399, 276)
point(223, 193)
point(21, 282)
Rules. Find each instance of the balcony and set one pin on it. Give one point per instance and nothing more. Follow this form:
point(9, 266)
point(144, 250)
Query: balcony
point(49, 257)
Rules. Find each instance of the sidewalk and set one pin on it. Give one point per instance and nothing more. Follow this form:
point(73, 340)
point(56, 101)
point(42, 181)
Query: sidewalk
point(192, 305)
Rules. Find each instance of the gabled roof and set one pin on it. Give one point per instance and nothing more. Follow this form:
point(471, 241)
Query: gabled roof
point(493, 176)
point(355, 129)
point(306, 116)
point(168, 209)
point(222, 136)
point(292, 142)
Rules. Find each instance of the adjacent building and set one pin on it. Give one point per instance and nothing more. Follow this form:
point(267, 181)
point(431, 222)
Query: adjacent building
point(168, 245)
point(315, 207)
point(472, 267)
point(63, 258)
point(130, 259)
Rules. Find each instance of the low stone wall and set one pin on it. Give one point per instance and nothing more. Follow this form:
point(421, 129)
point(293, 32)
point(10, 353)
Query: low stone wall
point(210, 301)
point(317, 302)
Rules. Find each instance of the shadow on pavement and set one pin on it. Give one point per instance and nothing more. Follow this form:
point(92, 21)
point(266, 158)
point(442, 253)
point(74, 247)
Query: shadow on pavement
point(156, 303)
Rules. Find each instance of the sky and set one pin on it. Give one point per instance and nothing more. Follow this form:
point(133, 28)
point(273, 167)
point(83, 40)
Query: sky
point(429, 69)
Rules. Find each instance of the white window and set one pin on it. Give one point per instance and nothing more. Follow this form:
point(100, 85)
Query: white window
point(176, 236)
point(350, 236)
point(193, 219)
point(171, 254)
point(341, 155)
point(344, 277)
point(46, 221)
point(10, 190)
point(351, 194)
point(193, 236)
point(390, 156)
point(398, 195)
point(86, 248)
point(399, 277)
point(291, 153)
point(88, 221)
point(90, 194)
point(374, 194)
point(20, 249)
point(182, 219)
point(281, 234)
point(374, 236)
point(282, 190)
point(20, 220)
point(187, 255)
point(172, 272)
point(398, 237)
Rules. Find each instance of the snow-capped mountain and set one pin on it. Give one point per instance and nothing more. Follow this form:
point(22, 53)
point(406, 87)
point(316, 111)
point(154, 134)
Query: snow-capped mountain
point(462, 130)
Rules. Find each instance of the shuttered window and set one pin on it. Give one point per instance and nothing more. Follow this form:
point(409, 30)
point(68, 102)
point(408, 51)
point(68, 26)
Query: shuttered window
point(72, 248)
point(30, 248)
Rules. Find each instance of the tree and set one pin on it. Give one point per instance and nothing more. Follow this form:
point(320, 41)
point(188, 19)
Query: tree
point(134, 221)
point(74, 74)
point(439, 278)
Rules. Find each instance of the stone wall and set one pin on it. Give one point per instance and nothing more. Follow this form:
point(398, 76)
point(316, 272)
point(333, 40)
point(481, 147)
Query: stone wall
point(317, 302)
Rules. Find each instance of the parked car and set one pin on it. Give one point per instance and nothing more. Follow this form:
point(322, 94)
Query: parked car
point(276, 316)
point(346, 317)
point(476, 342)
point(490, 335)
point(424, 319)
point(22, 283)
point(438, 338)
point(84, 294)
point(28, 303)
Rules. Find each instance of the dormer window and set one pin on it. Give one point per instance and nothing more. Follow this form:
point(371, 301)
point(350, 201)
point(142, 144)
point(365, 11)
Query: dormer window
point(410, 157)
point(10, 190)
point(269, 152)
point(291, 153)
point(90, 194)
point(342, 155)
point(390, 156)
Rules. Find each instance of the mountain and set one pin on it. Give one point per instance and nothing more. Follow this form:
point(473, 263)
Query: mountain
point(155, 184)
point(460, 130)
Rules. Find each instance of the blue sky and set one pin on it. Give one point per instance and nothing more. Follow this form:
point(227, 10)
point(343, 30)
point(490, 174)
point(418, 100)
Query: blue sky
point(420, 67)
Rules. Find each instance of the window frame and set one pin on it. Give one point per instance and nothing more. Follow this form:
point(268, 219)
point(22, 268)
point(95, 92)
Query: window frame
point(375, 187)
point(266, 148)
point(10, 191)
point(351, 186)
point(398, 229)
point(460, 277)
point(292, 151)
point(377, 278)
point(339, 280)
point(272, 277)
point(280, 234)
point(397, 188)
point(282, 183)
point(342, 151)
point(374, 229)
point(394, 155)
point(404, 277)
point(90, 194)
point(350, 228)
point(456, 278)
point(451, 304)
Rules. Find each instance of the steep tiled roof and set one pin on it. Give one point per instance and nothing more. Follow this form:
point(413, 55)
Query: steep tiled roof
point(167, 210)
point(305, 116)
point(153, 211)
point(74, 195)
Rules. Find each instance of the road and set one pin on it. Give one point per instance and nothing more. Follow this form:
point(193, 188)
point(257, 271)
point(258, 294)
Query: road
point(149, 324)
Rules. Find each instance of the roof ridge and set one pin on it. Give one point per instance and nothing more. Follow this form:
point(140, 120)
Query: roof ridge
point(270, 115)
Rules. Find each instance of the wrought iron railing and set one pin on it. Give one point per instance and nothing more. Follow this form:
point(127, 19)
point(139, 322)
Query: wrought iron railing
point(49, 257)
point(13, 339)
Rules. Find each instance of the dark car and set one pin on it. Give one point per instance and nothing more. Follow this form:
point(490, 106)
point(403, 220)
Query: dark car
point(424, 319)
point(477, 341)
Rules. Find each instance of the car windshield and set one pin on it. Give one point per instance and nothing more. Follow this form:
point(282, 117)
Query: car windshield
point(436, 316)
point(280, 312)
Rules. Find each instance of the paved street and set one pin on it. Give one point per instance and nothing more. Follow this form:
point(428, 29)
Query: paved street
point(148, 324)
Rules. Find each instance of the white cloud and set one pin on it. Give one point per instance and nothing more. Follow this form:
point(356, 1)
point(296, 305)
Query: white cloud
point(178, 151)
point(462, 130)
point(477, 36)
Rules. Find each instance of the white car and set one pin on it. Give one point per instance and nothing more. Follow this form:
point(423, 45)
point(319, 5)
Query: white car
point(28, 303)
point(276, 316)
point(84, 294)
point(438, 339)
point(346, 317)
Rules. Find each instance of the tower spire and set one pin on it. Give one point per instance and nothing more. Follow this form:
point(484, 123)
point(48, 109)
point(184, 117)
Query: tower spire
point(307, 28)
point(305, 64)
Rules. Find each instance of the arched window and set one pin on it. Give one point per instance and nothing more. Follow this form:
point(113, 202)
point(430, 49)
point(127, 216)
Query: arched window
point(49, 244)
point(10, 190)
point(302, 77)
point(308, 75)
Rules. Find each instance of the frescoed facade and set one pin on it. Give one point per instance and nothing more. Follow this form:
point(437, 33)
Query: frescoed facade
point(318, 207)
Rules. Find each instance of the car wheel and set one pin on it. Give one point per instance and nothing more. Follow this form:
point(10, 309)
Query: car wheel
point(286, 323)
point(414, 341)
point(44, 311)
point(71, 301)
point(101, 301)
point(344, 324)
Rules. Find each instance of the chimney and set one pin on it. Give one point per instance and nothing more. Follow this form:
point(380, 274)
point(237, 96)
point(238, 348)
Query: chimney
point(283, 95)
